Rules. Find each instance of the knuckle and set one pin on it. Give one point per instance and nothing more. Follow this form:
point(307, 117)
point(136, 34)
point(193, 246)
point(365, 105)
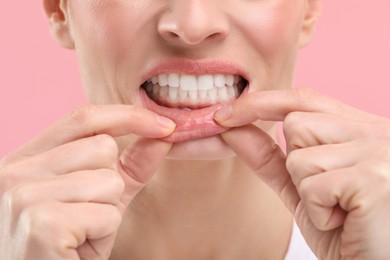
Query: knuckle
point(39, 218)
point(115, 183)
point(107, 145)
point(305, 189)
point(18, 198)
point(82, 113)
point(379, 173)
point(293, 161)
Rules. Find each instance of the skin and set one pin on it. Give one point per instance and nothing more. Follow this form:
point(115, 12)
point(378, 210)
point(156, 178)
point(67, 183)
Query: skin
point(99, 182)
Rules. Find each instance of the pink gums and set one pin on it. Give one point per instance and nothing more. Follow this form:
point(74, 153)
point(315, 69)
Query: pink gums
point(190, 124)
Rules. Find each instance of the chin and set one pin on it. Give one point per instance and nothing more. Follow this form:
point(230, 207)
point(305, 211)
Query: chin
point(209, 148)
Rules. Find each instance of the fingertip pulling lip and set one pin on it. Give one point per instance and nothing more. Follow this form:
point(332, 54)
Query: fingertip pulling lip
point(198, 123)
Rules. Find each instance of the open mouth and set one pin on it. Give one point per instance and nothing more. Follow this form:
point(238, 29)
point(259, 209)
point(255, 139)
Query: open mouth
point(191, 101)
point(191, 92)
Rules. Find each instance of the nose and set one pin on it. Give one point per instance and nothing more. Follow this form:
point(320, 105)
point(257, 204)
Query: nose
point(192, 22)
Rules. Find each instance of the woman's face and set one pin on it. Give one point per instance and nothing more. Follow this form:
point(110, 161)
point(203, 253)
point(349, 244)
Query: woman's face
point(125, 45)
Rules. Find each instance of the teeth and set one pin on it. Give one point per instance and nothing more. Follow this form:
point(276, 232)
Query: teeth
point(231, 92)
point(183, 94)
point(188, 82)
point(154, 80)
point(222, 93)
point(174, 80)
point(164, 91)
point(229, 80)
point(173, 93)
point(163, 80)
point(179, 90)
point(205, 82)
point(219, 80)
point(212, 93)
point(193, 95)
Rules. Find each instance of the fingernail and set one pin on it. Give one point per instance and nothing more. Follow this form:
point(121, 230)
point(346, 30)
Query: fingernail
point(224, 113)
point(166, 122)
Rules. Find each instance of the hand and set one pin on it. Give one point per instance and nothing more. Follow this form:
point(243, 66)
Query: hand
point(336, 177)
point(63, 194)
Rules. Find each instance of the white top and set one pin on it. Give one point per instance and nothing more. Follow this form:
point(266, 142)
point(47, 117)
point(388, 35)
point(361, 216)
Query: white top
point(298, 249)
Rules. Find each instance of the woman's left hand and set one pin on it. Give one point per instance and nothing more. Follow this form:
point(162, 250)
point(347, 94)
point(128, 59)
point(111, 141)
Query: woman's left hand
point(335, 178)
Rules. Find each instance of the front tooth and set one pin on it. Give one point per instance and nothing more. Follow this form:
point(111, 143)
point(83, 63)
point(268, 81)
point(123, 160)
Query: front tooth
point(229, 80)
point(174, 80)
point(173, 92)
point(188, 82)
point(212, 93)
point(193, 95)
point(183, 94)
point(203, 95)
point(205, 82)
point(219, 80)
point(163, 80)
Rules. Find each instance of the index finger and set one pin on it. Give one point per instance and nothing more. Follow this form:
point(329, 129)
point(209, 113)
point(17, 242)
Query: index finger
point(275, 105)
point(90, 120)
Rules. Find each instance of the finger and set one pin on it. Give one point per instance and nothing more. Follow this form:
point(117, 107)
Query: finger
point(305, 129)
point(137, 165)
point(90, 120)
point(303, 163)
point(96, 152)
point(275, 105)
point(56, 230)
point(100, 186)
point(330, 195)
point(265, 158)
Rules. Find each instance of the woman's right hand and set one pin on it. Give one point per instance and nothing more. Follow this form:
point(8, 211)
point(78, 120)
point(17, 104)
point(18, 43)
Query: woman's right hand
point(63, 195)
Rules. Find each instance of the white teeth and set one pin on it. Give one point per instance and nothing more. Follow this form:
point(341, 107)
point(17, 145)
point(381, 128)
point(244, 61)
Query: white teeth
point(173, 93)
point(193, 95)
point(203, 95)
point(219, 80)
point(154, 80)
point(183, 94)
point(188, 82)
point(164, 91)
point(212, 93)
point(205, 82)
point(222, 93)
point(202, 90)
point(229, 80)
point(231, 92)
point(163, 80)
point(174, 80)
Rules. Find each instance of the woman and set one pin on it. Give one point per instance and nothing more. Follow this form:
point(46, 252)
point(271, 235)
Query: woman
point(186, 95)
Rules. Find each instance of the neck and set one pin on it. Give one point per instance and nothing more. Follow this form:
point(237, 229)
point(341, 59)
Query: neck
point(205, 205)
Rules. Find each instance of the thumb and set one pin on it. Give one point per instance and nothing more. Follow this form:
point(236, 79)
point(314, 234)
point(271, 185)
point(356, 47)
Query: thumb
point(137, 165)
point(259, 151)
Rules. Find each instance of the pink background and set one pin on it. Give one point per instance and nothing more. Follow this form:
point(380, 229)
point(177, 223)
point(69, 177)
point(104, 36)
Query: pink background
point(349, 59)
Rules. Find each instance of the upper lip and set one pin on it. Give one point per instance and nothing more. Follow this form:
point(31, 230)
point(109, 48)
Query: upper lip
point(194, 67)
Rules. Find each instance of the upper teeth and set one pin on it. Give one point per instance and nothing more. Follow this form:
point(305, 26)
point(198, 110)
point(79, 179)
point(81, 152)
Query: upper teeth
point(191, 82)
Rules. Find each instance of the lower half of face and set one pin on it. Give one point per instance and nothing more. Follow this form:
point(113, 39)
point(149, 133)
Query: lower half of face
point(184, 61)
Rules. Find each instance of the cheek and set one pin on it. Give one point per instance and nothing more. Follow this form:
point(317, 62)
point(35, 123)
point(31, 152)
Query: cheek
point(272, 27)
point(103, 26)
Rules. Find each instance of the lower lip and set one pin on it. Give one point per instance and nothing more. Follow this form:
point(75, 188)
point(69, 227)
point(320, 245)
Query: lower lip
point(190, 124)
